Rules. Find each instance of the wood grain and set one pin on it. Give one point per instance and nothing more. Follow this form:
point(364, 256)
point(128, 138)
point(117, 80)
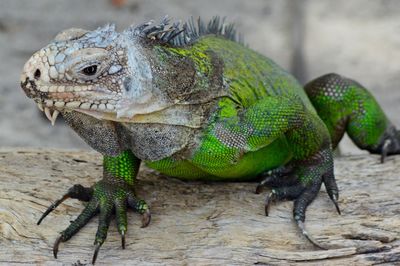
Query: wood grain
point(198, 223)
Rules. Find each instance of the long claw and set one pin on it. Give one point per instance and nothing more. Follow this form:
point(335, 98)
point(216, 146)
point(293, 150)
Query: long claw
point(146, 218)
point(332, 189)
point(385, 148)
point(300, 225)
point(334, 200)
point(270, 198)
point(123, 239)
point(75, 192)
point(96, 252)
point(55, 246)
point(52, 207)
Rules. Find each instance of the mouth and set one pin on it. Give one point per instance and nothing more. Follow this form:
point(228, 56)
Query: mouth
point(52, 100)
point(102, 106)
point(52, 108)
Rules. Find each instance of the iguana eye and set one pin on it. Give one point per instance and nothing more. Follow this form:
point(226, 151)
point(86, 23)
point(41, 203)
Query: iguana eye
point(90, 70)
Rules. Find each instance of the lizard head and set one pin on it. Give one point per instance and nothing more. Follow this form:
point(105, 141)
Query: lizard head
point(101, 73)
point(142, 74)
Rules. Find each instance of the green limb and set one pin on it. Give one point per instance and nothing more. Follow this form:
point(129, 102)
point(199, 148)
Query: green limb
point(107, 198)
point(123, 167)
point(113, 194)
point(346, 106)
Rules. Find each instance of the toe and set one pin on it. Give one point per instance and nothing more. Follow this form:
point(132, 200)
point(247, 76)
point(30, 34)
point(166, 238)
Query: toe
point(83, 218)
point(104, 223)
point(89, 211)
point(137, 205)
point(75, 192)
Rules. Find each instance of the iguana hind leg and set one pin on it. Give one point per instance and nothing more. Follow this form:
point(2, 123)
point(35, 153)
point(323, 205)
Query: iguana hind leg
point(346, 106)
point(308, 139)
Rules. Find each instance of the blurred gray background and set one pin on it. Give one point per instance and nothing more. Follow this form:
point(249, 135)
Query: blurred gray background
point(358, 39)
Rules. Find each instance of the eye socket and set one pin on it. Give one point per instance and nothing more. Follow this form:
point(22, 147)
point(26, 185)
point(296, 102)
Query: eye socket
point(90, 70)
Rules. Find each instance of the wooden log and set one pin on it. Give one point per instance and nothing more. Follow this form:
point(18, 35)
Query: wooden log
point(197, 223)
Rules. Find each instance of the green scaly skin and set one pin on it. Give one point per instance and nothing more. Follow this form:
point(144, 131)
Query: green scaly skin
point(262, 125)
point(354, 110)
point(253, 113)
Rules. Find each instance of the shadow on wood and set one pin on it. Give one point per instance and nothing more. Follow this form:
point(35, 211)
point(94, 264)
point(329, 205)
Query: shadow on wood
point(198, 223)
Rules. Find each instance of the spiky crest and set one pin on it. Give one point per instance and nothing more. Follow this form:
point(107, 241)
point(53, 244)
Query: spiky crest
point(182, 34)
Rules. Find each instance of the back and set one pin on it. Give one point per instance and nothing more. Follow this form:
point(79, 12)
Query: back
point(250, 75)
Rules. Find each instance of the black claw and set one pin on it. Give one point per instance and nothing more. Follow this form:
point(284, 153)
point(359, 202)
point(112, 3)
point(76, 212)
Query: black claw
point(55, 246)
point(123, 239)
point(52, 207)
point(96, 252)
point(75, 192)
point(385, 148)
point(266, 209)
point(300, 225)
point(334, 200)
point(146, 218)
point(332, 189)
point(268, 200)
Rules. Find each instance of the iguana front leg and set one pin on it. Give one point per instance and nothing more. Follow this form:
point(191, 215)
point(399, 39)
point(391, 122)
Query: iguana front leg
point(113, 194)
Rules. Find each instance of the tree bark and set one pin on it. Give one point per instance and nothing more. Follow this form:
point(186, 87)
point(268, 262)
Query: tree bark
point(197, 223)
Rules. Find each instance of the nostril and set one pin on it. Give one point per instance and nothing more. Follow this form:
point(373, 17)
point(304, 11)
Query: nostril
point(37, 74)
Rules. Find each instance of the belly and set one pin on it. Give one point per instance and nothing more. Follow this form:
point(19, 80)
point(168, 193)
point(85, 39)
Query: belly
point(225, 165)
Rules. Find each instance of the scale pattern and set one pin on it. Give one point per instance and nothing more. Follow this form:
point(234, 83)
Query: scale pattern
point(346, 106)
point(252, 117)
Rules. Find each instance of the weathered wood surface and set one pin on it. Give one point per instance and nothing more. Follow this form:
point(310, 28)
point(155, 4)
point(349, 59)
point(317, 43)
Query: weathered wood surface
point(197, 223)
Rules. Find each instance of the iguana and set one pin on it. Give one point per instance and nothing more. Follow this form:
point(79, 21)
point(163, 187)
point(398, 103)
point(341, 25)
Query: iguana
point(193, 102)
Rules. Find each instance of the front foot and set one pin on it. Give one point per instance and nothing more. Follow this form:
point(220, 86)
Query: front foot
point(105, 198)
